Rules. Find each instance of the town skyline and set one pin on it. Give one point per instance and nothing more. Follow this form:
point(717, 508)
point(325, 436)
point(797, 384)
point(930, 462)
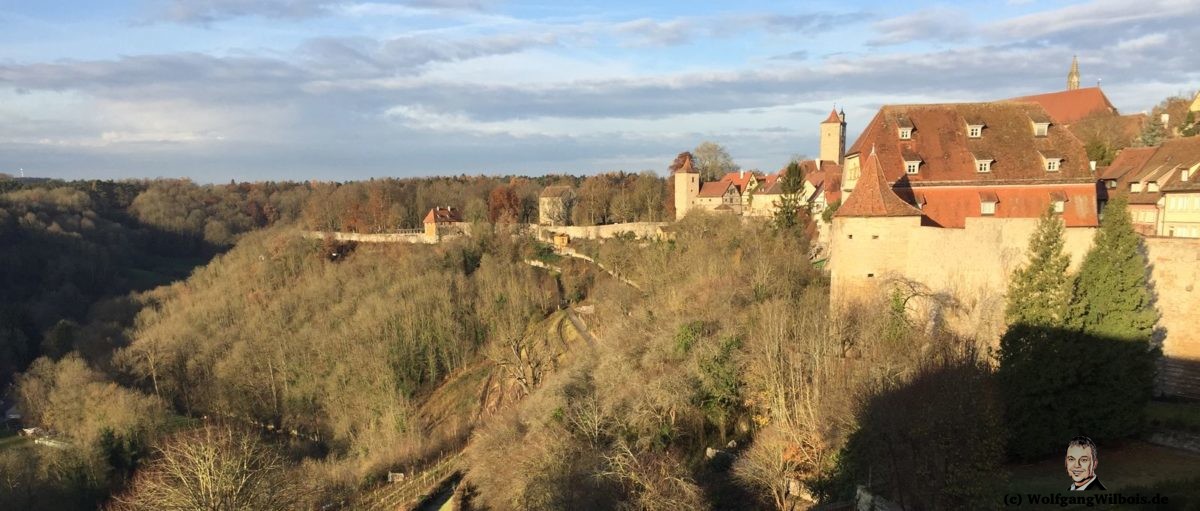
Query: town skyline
point(271, 90)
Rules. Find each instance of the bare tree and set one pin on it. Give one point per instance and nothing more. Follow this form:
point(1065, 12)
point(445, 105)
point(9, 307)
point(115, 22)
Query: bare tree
point(213, 468)
point(713, 161)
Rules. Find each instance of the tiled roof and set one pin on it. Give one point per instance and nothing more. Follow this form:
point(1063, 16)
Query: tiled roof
point(739, 179)
point(1069, 106)
point(555, 191)
point(714, 188)
point(1128, 160)
point(1181, 154)
point(833, 117)
point(940, 139)
point(443, 215)
point(873, 195)
point(950, 206)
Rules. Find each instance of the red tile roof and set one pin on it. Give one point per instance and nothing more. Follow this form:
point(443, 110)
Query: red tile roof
point(950, 206)
point(1068, 106)
point(740, 179)
point(873, 195)
point(940, 140)
point(715, 188)
point(443, 215)
point(1128, 160)
point(1178, 154)
point(833, 117)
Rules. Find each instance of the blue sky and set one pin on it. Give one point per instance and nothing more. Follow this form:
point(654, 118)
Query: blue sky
point(329, 89)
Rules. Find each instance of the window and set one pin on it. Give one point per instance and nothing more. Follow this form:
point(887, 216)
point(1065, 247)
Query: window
point(983, 165)
point(905, 133)
point(1040, 129)
point(911, 167)
point(1059, 206)
point(987, 208)
point(1152, 186)
point(874, 236)
point(975, 130)
point(1051, 165)
point(1112, 183)
point(1135, 187)
point(870, 275)
point(849, 236)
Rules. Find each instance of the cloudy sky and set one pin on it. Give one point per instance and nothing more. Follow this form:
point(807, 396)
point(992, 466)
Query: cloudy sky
point(344, 89)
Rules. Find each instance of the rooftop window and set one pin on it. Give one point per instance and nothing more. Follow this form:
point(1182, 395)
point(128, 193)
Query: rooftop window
point(974, 130)
point(983, 165)
point(987, 208)
point(1053, 164)
point(912, 167)
point(905, 133)
point(1041, 129)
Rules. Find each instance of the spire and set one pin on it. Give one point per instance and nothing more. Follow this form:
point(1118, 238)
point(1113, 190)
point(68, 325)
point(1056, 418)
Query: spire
point(1073, 76)
point(833, 117)
point(873, 196)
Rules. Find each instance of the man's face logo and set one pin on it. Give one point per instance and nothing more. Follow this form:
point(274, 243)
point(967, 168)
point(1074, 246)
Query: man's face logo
point(1081, 463)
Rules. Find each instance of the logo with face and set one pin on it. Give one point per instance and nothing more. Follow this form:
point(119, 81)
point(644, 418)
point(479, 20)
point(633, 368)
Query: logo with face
point(1081, 461)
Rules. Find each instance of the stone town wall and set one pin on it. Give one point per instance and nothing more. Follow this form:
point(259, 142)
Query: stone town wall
point(591, 232)
point(963, 275)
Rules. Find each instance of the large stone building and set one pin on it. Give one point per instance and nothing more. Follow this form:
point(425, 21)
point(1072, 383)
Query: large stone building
point(964, 160)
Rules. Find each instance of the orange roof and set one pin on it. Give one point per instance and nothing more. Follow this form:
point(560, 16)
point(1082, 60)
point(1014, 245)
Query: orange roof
point(1069, 106)
point(873, 196)
point(1129, 159)
point(714, 188)
point(939, 140)
point(950, 206)
point(442, 215)
point(833, 118)
point(740, 179)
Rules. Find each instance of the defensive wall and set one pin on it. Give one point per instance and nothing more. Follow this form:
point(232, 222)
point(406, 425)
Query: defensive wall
point(640, 230)
point(959, 278)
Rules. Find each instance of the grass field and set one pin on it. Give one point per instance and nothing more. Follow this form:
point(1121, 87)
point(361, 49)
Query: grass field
point(1174, 415)
point(1133, 464)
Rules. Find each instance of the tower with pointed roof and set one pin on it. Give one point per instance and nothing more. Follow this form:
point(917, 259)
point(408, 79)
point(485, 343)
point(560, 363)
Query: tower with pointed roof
point(687, 183)
point(1073, 75)
point(833, 137)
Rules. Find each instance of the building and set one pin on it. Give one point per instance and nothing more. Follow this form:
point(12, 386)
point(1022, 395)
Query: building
point(752, 193)
point(441, 221)
point(962, 160)
point(554, 205)
point(1161, 187)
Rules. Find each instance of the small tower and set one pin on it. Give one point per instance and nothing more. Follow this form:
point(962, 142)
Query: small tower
point(687, 183)
point(833, 137)
point(1073, 76)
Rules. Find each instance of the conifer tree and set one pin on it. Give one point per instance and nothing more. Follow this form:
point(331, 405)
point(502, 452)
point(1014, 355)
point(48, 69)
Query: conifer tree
point(1110, 298)
point(1041, 289)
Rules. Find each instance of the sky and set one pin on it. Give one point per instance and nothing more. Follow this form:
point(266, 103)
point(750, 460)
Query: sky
point(219, 90)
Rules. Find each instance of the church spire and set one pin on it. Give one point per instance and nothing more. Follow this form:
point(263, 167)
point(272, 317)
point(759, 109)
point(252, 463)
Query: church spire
point(1073, 76)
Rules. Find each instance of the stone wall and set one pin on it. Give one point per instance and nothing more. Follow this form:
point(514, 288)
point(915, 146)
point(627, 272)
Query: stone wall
point(591, 232)
point(962, 276)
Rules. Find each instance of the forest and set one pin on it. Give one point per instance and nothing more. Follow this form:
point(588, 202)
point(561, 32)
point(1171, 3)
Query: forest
point(174, 337)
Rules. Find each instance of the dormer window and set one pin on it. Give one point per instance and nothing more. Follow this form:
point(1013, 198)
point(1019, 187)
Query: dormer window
point(983, 165)
point(911, 167)
point(1041, 129)
point(1135, 187)
point(1052, 165)
point(987, 203)
point(905, 133)
point(905, 128)
point(1152, 186)
point(974, 130)
point(1052, 161)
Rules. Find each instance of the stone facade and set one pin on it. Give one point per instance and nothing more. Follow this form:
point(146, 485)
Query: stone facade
point(963, 275)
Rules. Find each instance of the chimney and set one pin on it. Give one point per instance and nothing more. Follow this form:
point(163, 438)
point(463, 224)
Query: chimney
point(741, 174)
point(1166, 119)
point(1092, 164)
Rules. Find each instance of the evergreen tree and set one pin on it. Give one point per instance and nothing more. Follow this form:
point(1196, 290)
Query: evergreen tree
point(1111, 299)
point(1154, 132)
point(791, 213)
point(1190, 127)
point(1041, 289)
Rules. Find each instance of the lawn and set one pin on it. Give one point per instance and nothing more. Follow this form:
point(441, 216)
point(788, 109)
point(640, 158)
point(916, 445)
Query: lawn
point(1133, 464)
point(1174, 415)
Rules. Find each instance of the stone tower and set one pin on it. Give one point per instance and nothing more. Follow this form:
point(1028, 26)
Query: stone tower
point(687, 183)
point(1073, 76)
point(833, 137)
